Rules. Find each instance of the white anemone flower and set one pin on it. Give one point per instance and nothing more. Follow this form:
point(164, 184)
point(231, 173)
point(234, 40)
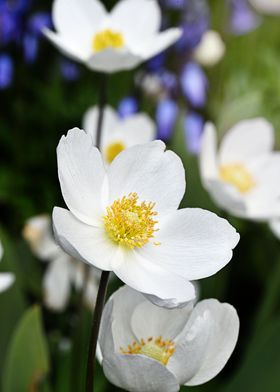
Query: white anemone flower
point(210, 50)
point(274, 225)
point(147, 348)
point(269, 7)
point(110, 42)
point(243, 177)
point(125, 219)
point(6, 278)
point(63, 272)
point(118, 134)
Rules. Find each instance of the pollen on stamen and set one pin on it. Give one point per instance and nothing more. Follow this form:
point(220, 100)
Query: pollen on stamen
point(106, 39)
point(129, 223)
point(238, 176)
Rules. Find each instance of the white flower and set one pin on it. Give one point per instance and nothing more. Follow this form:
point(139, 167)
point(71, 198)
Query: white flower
point(210, 50)
point(118, 134)
point(274, 225)
point(243, 177)
point(266, 6)
point(6, 278)
point(147, 348)
point(110, 42)
point(125, 219)
point(63, 271)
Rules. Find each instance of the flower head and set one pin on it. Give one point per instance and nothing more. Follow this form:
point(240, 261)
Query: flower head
point(270, 7)
point(147, 348)
point(6, 278)
point(243, 176)
point(124, 218)
point(109, 42)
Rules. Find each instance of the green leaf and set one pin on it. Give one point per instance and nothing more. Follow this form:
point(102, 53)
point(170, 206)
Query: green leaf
point(27, 362)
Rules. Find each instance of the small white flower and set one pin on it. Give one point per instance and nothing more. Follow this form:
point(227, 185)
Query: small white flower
point(118, 134)
point(243, 177)
point(110, 42)
point(147, 348)
point(210, 50)
point(266, 6)
point(63, 271)
point(6, 278)
point(125, 219)
point(274, 225)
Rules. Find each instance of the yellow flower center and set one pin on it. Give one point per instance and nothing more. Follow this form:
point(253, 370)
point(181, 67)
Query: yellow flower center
point(158, 349)
point(238, 176)
point(130, 224)
point(107, 39)
point(112, 150)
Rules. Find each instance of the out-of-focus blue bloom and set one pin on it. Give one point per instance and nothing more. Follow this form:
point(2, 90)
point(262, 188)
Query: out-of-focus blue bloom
point(127, 107)
point(166, 114)
point(194, 23)
point(16, 5)
point(168, 81)
point(175, 4)
point(194, 84)
point(69, 70)
point(30, 48)
point(8, 26)
point(193, 126)
point(6, 71)
point(243, 19)
point(156, 63)
point(38, 21)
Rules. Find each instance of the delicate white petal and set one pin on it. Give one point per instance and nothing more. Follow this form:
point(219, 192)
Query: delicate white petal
point(136, 129)
point(83, 242)
point(148, 278)
point(138, 20)
point(223, 332)
point(109, 124)
point(275, 227)
point(169, 303)
point(155, 175)
point(193, 242)
point(69, 48)
point(57, 283)
point(81, 174)
point(150, 320)
point(1, 250)
point(112, 60)
point(208, 153)
point(270, 7)
point(246, 140)
point(137, 373)
point(78, 20)
point(158, 43)
point(6, 280)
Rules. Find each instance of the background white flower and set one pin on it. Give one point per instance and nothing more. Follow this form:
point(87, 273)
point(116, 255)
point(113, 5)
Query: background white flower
point(243, 177)
point(118, 134)
point(125, 219)
point(63, 271)
point(109, 42)
point(274, 224)
point(210, 50)
point(147, 348)
point(6, 278)
point(267, 6)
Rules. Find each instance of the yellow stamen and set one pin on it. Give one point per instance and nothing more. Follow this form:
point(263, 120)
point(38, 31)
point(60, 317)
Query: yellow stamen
point(112, 150)
point(107, 39)
point(158, 349)
point(238, 176)
point(130, 224)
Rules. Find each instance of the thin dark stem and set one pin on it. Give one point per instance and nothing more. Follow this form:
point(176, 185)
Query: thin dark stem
point(101, 296)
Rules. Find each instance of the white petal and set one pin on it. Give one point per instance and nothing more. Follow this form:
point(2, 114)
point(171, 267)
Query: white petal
point(158, 43)
point(275, 227)
point(136, 129)
point(246, 140)
point(270, 7)
point(138, 20)
point(223, 329)
point(155, 175)
point(193, 242)
point(112, 60)
point(148, 278)
point(81, 174)
point(137, 373)
point(1, 250)
point(78, 20)
point(109, 123)
point(57, 283)
point(150, 320)
point(208, 153)
point(69, 48)
point(6, 280)
point(83, 242)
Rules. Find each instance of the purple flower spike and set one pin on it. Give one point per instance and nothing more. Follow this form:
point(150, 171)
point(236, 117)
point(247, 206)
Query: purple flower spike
point(127, 107)
point(243, 19)
point(30, 47)
point(194, 84)
point(6, 71)
point(166, 115)
point(193, 126)
point(69, 70)
point(38, 21)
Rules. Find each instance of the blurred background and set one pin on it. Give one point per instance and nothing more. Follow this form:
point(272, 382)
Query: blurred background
point(43, 94)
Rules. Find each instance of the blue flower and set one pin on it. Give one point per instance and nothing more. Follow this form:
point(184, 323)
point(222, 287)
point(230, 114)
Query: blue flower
point(127, 107)
point(69, 70)
point(166, 115)
point(194, 84)
point(6, 71)
point(193, 126)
